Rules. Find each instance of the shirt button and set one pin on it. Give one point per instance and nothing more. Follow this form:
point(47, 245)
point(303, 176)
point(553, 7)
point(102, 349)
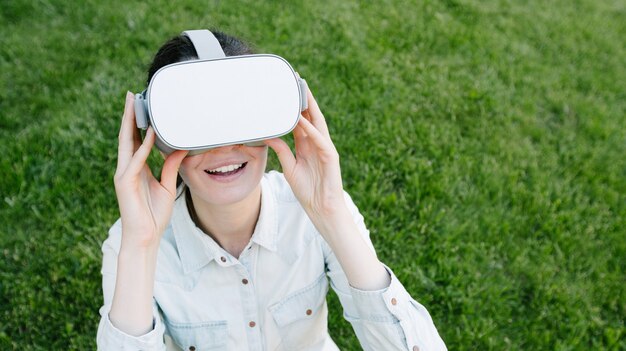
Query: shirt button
point(394, 301)
point(244, 280)
point(415, 348)
point(223, 259)
point(192, 348)
point(252, 324)
point(308, 312)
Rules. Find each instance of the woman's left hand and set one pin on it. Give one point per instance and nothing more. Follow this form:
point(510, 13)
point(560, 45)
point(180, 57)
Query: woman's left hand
point(313, 172)
point(315, 178)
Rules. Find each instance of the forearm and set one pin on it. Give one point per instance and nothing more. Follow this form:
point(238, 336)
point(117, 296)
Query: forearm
point(358, 261)
point(131, 310)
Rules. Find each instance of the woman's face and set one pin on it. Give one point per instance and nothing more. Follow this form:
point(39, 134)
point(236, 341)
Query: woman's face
point(224, 175)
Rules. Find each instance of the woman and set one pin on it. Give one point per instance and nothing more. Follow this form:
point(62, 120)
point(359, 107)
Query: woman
point(237, 259)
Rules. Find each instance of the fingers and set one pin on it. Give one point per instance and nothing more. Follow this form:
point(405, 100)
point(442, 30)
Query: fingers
point(126, 146)
point(136, 136)
point(170, 170)
point(298, 133)
point(139, 158)
point(314, 114)
point(285, 156)
point(321, 141)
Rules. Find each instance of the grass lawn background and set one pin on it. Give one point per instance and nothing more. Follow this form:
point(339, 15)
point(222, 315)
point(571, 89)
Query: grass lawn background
point(483, 141)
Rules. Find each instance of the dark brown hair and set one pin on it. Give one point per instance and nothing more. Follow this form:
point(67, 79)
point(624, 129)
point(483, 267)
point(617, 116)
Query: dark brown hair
point(180, 49)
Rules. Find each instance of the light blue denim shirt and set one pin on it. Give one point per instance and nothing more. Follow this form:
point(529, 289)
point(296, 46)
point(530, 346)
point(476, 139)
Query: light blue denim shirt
point(273, 297)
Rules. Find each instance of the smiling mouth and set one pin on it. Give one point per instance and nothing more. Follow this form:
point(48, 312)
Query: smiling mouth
point(227, 170)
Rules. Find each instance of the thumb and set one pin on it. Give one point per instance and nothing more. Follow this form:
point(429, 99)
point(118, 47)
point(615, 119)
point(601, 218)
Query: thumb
point(169, 172)
point(282, 150)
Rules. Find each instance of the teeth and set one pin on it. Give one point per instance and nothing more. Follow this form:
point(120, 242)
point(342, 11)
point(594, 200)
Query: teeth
point(225, 169)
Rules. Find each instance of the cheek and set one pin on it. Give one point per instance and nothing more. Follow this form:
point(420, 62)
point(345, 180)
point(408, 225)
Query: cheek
point(259, 153)
point(261, 156)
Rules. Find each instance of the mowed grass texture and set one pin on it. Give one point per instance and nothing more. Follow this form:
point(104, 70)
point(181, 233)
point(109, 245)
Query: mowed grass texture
point(483, 141)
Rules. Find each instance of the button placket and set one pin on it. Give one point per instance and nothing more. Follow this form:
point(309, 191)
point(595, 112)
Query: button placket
point(249, 303)
point(243, 272)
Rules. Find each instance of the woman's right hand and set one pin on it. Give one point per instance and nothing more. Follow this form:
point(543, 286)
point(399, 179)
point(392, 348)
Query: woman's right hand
point(145, 203)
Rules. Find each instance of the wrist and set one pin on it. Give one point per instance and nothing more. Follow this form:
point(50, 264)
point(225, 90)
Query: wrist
point(329, 210)
point(130, 250)
point(139, 239)
point(334, 222)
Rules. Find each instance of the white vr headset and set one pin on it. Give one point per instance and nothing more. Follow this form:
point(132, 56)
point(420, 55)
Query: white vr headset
point(217, 100)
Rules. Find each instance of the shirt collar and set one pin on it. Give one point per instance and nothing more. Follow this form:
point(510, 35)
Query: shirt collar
point(196, 249)
point(266, 230)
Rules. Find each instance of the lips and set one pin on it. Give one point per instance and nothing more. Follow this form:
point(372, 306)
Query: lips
point(226, 170)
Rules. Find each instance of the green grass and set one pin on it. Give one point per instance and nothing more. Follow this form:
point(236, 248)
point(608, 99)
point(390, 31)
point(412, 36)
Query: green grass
point(484, 143)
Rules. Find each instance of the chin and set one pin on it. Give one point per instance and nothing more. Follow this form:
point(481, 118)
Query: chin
point(227, 196)
point(224, 176)
point(224, 193)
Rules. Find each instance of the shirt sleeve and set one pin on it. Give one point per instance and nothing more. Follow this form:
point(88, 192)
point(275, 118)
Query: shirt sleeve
point(386, 319)
point(108, 336)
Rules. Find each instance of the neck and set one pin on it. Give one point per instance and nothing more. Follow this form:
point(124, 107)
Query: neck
point(232, 225)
